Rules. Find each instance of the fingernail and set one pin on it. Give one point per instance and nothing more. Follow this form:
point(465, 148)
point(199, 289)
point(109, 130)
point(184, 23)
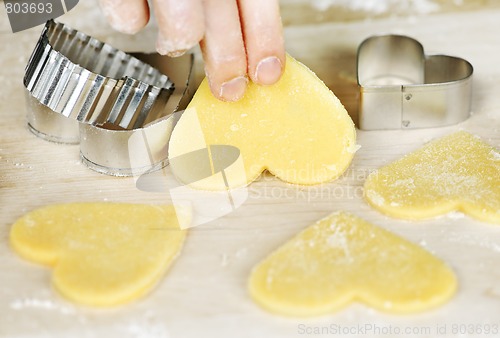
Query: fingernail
point(172, 48)
point(234, 89)
point(268, 71)
point(177, 53)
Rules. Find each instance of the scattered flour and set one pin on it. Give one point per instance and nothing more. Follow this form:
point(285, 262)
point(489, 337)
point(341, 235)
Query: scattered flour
point(455, 215)
point(43, 304)
point(353, 148)
point(375, 197)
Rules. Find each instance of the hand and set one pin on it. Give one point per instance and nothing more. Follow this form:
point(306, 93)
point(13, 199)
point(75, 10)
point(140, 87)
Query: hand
point(239, 39)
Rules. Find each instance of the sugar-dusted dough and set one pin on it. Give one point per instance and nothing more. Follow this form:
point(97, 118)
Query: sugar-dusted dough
point(103, 254)
point(296, 128)
point(343, 258)
point(457, 172)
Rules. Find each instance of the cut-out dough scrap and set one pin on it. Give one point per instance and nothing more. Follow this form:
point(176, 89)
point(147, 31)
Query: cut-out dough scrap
point(103, 254)
point(458, 172)
point(343, 258)
point(297, 129)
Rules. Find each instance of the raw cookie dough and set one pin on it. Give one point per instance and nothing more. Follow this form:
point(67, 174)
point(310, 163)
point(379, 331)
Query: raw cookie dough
point(103, 254)
point(343, 258)
point(457, 172)
point(296, 128)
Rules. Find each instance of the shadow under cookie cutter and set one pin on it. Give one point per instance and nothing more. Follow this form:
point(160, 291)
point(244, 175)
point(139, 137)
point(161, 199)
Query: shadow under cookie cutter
point(116, 105)
point(402, 88)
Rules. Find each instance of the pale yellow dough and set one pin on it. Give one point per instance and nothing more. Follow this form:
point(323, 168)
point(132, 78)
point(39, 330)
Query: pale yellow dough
point(343, 258)
point(458, 172)
point(103, 254)
point(297, 129)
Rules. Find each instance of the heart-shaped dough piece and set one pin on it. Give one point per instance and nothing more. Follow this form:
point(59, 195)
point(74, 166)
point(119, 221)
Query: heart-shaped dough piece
point(457, 172)
point(103, 254)
point(343, 258)
point(297, 129)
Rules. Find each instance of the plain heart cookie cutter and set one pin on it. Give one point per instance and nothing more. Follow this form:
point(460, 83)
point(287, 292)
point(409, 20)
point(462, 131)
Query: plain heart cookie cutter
point(120, 109)
point(402, 88)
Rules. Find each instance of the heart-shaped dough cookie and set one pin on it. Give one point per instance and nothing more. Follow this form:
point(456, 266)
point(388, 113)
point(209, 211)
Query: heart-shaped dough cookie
point(343, 258)
point(297, 129)
point(103, 254)
point(457, 172)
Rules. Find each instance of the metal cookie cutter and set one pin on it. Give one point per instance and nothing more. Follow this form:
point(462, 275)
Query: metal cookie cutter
point(402, 88)
point(119, 108)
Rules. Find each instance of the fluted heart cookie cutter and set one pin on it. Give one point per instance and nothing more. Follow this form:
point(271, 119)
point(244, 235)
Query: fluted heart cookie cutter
point(403, 88)
point(116, 105)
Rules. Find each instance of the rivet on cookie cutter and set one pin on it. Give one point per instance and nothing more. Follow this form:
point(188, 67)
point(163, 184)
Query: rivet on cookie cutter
point(402, 88)
point(72, 78)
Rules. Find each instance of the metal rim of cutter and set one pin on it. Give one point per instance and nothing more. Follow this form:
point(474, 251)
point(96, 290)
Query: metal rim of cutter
point(81, 90)
point(403, 88)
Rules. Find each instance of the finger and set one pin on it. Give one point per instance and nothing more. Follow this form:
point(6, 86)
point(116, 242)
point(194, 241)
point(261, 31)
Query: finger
point(264, 43)
point(126, 16)
point(180, 25)
point(223, 50)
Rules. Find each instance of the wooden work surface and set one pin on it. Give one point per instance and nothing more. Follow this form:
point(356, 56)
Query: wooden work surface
point(204, 294)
